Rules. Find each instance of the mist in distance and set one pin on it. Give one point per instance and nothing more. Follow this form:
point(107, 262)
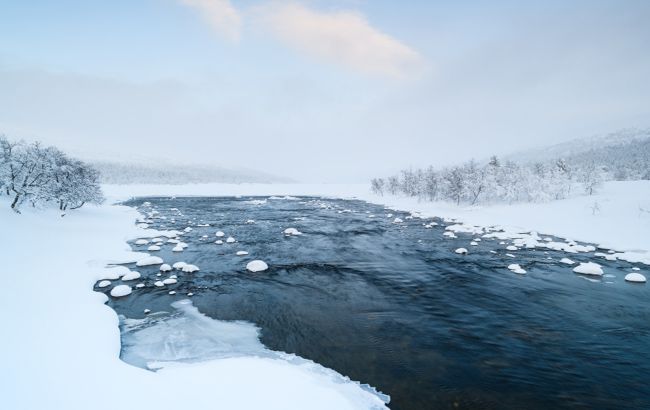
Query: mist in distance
point(320, 91)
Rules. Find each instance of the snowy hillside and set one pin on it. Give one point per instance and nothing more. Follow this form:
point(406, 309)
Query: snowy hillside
point(619, 140)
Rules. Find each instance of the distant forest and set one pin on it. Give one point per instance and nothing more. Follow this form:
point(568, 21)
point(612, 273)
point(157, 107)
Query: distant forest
point(509, 181)
point(125, 173)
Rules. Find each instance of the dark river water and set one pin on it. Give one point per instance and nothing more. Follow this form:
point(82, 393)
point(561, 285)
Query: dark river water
point(393, 306)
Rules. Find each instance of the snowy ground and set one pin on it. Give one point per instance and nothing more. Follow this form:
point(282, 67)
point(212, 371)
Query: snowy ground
point(60, 348)
point(60, 345)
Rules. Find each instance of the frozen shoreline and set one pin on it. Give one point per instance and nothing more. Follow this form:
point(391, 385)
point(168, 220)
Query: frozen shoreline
point(62, 343)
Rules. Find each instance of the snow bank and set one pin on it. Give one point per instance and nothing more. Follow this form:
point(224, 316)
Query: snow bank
point(64, 351)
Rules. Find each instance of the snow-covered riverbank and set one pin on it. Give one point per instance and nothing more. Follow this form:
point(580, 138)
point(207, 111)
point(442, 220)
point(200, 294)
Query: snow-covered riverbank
point(61, 344)
point(617, 217)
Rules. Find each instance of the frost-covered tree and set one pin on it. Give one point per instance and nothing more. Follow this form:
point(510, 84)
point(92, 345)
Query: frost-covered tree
point(591, 177)
point(31, 173)
point(377, 186)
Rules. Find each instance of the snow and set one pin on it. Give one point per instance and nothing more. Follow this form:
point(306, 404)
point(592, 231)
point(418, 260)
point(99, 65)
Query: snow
point(159, 283)
point(516, 268)
point(132, 275)
point(512, 248)
point(149, 260)
point(292, 232)
point(567, 261)
point(153, 248)
point(165, 267)
point(104, 283)
point(230, 240)
point(120, 291)
point(77, 362)
point(140, 285)
point(169, 281)
point(220, 234)
point(619, 224)
point(242, 253)
point(142, 242)
point(589, 268)
point(461, 251)
point(179, 265)
point(219, 242)
point(257, 266)
point(635, 277)
point(178, 248)
point(190, 268)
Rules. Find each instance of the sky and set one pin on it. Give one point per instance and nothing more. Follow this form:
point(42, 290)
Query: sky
point(320, 91)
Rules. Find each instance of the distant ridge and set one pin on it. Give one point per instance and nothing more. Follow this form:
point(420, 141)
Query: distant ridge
point(125, 173)
point(580, 146)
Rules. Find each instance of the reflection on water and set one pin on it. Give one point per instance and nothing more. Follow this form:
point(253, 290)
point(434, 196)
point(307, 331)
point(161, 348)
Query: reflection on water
point(392, 305)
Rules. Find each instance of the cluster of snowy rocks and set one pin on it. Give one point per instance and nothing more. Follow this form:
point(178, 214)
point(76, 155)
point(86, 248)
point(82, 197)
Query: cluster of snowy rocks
point(515, 240)
point(158, 239)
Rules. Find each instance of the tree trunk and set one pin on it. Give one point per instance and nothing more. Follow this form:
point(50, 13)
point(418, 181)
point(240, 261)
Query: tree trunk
point(14, 204)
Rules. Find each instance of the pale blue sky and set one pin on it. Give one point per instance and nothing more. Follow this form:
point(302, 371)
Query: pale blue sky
point(320, 90)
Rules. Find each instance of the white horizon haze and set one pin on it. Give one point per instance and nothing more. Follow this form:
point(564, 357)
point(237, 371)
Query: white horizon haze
point(320, 91)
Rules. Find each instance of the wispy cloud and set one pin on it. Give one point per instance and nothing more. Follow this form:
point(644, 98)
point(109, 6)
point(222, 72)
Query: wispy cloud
point(340, 37)
point(222, 16)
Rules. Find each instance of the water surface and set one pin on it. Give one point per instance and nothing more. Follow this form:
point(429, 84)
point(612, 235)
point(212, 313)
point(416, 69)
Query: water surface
point(392, 305)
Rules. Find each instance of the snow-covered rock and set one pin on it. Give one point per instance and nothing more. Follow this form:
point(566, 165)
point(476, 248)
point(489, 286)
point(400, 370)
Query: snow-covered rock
point(567, 261)
point(121, 290)
point(139, 285)
point(461, 251)
point(149, 260)
point(159, 283)
point(153, 248)
point(635, 277)
point(516, 268)
point(142, 242)
point(190, 268)
point(250, 221)
point(169, 281)
point(242, 253)
point(172, 292)
point(257, 266)
point(473, 243)
point(589, 268)
point(132, 275)
point(220, 234)
point(219, 242)
point(511, 248)
point(178, 248)
point(147, 311)
point(104, 284)
point(179, 265)
point(230, 240)
point(292, 232)
point(397, 221)
point(165, 267)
